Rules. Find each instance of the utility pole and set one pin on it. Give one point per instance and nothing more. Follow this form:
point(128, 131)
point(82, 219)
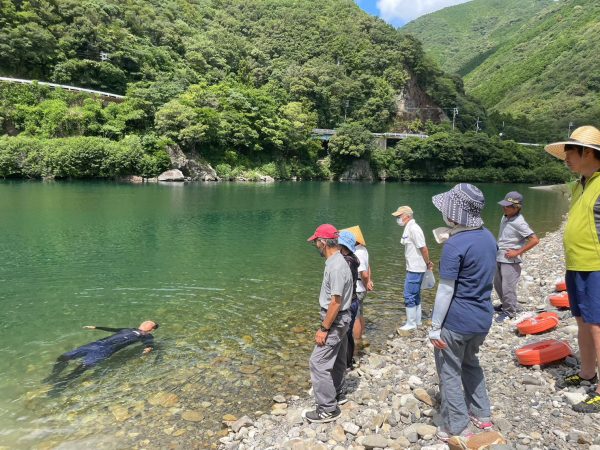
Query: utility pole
point(454, 114)
point(570, 126)
point(477, 125)
point(346, 103)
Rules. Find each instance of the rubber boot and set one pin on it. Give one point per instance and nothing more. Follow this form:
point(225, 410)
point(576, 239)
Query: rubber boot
point(411, 319)
point(419, 316)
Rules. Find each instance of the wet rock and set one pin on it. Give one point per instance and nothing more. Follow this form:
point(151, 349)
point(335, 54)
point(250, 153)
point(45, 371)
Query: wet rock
point(119, 412)
point(165, 399)
point(249, 370)
point(192, 416)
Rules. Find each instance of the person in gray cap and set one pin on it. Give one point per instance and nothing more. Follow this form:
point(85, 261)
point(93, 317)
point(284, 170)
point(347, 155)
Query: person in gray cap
point(463, 312)
point(514, 238)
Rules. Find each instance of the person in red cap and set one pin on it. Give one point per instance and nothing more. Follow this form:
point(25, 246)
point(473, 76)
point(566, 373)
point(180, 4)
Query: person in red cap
point(328, 359)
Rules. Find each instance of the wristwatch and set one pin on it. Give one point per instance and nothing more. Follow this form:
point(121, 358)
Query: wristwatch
point(322, 328)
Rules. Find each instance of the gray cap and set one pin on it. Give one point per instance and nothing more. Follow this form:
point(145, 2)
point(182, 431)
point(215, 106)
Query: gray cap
point(511, 199)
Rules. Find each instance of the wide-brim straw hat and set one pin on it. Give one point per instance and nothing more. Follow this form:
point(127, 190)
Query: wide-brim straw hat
point(586, 136)
point(462, 204)
point(356, 231)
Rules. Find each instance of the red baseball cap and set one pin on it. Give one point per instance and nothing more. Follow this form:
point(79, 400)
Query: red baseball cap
point(325, 231)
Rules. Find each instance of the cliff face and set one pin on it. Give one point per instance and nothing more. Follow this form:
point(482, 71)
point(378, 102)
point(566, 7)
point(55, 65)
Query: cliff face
point(413, 103)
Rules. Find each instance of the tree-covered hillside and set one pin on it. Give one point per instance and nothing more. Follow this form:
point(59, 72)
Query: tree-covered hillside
point(239, 84)
point(327, 53)
point(532, 63)
point(461, 37)
point(549, 74)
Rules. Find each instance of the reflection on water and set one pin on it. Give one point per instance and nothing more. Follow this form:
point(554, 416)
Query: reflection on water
point(224, 268)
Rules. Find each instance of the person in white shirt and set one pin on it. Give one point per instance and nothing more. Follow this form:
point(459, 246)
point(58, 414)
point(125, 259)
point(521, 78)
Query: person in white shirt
point(417, 263)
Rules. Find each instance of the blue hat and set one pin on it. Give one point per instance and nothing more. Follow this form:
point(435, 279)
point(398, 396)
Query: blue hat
point(348, 240)
point(461, 204)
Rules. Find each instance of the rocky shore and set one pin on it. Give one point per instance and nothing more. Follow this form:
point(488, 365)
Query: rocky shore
point(394, 394)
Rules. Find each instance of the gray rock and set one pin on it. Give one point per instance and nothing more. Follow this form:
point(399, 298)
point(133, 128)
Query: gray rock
point(374, 441)
point(573, 398)
point(171, 175)
point(351, 428)
point(244, 421)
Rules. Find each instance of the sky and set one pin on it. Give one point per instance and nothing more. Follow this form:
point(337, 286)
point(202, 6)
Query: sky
point(399, 12)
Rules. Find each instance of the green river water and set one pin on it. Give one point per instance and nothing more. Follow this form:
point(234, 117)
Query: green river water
point(225, 269)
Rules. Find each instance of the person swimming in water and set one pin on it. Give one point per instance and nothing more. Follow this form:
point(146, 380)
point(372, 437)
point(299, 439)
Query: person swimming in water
point(102, 349)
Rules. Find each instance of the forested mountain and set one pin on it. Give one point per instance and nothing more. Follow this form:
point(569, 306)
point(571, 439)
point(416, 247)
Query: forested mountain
point(541, 75)
point(238, 83)
point(461, 37)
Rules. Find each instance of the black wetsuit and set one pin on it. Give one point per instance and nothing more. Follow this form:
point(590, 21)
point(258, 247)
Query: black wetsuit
point(99, 350)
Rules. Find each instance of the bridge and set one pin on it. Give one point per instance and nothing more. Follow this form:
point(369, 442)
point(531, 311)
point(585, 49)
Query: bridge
point(325, 135)
point(104, 95)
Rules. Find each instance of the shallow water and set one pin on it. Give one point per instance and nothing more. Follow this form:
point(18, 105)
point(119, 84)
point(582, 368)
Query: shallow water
point(224, 268)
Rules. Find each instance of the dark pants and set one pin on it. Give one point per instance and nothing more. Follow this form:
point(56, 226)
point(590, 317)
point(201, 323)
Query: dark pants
point(354, 312)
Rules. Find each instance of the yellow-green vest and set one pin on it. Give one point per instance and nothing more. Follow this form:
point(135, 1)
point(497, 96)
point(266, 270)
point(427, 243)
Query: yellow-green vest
point(582, 233)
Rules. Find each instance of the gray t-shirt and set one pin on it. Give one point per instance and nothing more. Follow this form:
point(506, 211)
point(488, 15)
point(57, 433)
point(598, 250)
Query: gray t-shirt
point(337, 280)
point(513, 234)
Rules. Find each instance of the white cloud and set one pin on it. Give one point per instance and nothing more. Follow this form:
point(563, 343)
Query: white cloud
point(402, 11)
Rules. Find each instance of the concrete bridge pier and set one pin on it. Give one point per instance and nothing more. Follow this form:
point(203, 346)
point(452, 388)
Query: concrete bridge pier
point(381, 142)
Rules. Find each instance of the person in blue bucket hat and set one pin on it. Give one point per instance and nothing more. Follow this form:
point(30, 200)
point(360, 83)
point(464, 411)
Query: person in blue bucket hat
point(463, 312)
point(347, 242)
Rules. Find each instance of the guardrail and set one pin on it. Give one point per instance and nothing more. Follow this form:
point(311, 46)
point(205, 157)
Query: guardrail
point(65, 87)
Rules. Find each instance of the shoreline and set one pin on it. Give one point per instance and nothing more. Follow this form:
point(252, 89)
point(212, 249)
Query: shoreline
point(392, 394)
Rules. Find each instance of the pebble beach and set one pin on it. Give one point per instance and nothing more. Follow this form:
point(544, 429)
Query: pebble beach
point(394, 395)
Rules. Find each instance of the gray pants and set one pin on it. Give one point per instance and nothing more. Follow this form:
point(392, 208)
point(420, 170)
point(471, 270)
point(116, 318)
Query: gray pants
point(505, 282)
point(462, 383)
point(328, 363)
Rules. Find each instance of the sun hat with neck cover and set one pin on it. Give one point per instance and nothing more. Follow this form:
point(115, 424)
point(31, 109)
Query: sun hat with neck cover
point(586, 136)
point(462, 204)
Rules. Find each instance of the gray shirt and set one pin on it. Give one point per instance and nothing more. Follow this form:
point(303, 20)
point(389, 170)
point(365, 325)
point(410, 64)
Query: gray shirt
point(513, 234)
point(337, 280)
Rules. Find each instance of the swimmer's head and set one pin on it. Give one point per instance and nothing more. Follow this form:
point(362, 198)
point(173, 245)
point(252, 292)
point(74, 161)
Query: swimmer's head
point(148, 326)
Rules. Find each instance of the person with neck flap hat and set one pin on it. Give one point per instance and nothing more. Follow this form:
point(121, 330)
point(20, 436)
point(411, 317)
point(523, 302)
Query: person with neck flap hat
point(514, 238)
point(463, 312)
point(328, 359)
point(581, 239)
point(416, 254)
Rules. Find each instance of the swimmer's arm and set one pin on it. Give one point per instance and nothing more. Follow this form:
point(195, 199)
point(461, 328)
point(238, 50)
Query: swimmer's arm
point(148, 341)
point(94, 327)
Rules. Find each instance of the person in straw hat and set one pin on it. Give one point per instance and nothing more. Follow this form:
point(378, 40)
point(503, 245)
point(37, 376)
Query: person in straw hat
point(462, 313)
point(416, 254)
point(581, 239)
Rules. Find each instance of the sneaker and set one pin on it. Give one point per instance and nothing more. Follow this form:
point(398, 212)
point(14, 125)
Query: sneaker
point(483, 423)
point(320, 416)
point(590, 405)
point(445, 436)
point(575, 380)
point(502, 317)
point(341, 398)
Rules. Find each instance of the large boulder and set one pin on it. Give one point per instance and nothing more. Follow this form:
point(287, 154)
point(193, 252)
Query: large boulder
point(172, 175)
point(359, 170)
point(191, 165)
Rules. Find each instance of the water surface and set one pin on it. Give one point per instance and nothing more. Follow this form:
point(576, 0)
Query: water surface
point(225, 269)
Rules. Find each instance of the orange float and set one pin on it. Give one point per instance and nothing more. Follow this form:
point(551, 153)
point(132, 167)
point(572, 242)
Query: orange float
point(543, 352)
point(560, 300)
point(542, 322)
point(561, 286)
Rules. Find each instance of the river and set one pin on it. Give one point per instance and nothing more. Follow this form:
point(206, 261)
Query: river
point(226, 271)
